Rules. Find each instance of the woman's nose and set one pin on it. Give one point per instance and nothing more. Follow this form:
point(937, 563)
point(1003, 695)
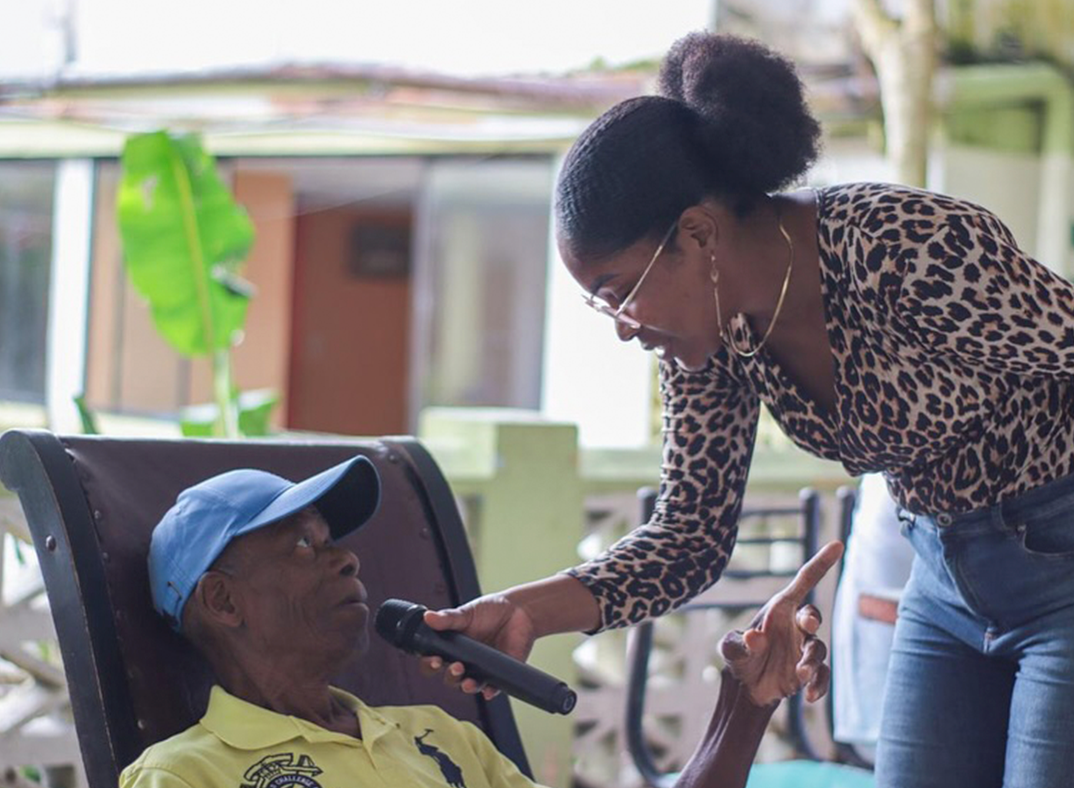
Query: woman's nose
point(625, 331)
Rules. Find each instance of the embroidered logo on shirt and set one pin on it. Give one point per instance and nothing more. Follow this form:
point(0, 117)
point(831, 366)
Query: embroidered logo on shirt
point(451, 771)
point(282, 771)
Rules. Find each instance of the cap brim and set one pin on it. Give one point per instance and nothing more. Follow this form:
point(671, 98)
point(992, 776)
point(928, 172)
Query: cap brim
point(347, 496)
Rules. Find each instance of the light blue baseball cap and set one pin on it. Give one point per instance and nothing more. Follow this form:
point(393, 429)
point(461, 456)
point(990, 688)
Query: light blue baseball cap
point(209, 515)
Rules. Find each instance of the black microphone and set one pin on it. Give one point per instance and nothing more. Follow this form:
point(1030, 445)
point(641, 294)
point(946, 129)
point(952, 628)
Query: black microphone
point(401, 624)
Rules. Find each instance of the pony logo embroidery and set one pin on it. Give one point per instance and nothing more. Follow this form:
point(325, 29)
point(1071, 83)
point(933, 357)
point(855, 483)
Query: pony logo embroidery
point(282, 771)
point(451, 771)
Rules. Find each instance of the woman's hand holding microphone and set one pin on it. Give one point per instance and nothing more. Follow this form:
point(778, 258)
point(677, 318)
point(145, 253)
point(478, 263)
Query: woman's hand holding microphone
point(775, 658)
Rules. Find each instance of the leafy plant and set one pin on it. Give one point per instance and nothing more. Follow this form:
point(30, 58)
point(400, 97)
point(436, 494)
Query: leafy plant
point(254, 409)
point(184, 240)
point(86, 416)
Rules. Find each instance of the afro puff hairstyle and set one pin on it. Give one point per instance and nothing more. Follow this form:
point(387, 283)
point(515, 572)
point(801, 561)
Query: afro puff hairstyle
point(730, 122)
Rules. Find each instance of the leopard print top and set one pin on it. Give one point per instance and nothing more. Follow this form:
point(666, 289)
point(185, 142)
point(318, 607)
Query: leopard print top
point(953, 354)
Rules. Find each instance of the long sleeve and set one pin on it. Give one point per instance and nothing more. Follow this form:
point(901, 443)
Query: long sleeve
point(970, 294)
point(957, 370)
point(710, 422)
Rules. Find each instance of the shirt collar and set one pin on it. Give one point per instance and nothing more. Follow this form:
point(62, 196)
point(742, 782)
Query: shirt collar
point(245, 726)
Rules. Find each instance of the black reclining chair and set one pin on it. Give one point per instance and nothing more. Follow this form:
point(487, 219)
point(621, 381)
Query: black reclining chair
point(91, 504)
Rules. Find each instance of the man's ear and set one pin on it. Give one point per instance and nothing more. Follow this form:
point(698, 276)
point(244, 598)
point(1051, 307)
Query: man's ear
point(220, 599)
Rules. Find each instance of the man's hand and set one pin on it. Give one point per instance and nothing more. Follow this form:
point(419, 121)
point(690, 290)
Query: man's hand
point(780, 653)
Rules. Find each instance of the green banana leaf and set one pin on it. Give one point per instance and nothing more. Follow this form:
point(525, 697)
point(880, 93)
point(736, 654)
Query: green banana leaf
point(255, 410)
point(184, 238)
point(86, 416)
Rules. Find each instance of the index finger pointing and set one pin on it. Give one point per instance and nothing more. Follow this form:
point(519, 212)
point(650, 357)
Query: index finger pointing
point(812, 572)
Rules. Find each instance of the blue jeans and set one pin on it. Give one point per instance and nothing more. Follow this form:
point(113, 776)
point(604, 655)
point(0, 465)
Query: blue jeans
point(980, 692)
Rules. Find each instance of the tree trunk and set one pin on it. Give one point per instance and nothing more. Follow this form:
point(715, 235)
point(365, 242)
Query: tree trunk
point(903, 52)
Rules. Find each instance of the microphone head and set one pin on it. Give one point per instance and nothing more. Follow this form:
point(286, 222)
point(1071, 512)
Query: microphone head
point(396, 620)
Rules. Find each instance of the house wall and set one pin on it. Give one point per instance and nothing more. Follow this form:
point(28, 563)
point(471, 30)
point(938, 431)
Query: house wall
point(104, 295)
point(263, 358)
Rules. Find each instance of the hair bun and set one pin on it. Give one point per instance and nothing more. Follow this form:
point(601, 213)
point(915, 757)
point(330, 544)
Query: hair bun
point(758, 129)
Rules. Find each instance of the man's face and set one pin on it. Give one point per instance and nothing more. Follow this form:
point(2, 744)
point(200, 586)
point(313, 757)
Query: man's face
point(300, 591)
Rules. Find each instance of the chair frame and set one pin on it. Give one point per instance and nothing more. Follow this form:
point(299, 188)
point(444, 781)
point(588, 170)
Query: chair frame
point(35, 465)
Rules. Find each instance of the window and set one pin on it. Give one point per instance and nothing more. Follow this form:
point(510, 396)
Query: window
point(26, 194)
point(482, 266)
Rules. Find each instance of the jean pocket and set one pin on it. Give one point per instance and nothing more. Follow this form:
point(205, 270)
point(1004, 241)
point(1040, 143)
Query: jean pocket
point(1051, 537)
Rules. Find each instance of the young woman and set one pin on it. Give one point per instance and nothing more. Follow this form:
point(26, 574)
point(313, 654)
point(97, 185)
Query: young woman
point(891, 329)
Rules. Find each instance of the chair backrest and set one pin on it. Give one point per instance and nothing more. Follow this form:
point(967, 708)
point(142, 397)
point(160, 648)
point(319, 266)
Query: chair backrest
point(91, 504)
point(786, 540)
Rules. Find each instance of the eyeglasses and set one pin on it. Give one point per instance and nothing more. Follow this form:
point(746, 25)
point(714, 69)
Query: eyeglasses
point(619, 314)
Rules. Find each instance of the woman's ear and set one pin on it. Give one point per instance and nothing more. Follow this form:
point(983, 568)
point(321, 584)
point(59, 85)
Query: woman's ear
point(698, 228)
point(220, 599)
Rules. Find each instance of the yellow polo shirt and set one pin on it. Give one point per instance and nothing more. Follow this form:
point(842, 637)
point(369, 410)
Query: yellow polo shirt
point(240, 745)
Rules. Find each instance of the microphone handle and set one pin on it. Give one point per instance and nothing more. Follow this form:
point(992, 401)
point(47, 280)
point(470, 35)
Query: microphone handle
point(516, 678)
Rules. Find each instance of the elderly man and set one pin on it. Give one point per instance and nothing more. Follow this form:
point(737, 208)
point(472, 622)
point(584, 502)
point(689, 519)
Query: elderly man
point(246, 565)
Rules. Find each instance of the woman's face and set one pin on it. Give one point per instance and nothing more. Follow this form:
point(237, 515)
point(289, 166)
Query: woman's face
point(672, 311)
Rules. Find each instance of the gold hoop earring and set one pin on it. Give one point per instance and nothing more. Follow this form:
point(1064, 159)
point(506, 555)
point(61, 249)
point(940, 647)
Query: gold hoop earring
point(714, 275)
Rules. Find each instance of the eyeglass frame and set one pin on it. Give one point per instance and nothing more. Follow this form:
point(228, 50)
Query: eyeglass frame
point(618, 315)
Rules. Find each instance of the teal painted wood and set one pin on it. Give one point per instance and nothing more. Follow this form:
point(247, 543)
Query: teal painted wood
point(808, 774)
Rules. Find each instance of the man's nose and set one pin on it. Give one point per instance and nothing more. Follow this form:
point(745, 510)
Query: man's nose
point(348, 562)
